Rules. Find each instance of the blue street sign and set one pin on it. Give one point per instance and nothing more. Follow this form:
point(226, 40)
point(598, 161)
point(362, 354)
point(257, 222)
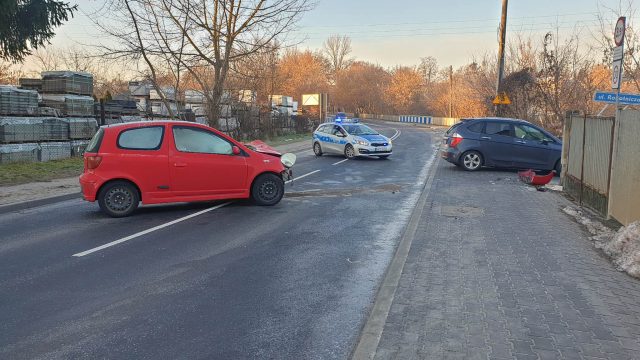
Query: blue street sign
point(624, 99)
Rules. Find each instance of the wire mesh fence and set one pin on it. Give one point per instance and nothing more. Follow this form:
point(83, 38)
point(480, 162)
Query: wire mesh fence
point(11, 153)
point(14, 101)
point(43, 139)
point(36, 129)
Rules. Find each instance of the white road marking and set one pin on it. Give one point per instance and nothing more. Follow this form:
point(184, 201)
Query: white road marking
point(304, 151)
point(396, 135)
point(144, 232)
point(340, 162)
point(301, 176)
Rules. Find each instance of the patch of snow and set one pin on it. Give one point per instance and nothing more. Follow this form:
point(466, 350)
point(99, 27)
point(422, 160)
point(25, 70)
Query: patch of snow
point(623, 246)
point(554, 187)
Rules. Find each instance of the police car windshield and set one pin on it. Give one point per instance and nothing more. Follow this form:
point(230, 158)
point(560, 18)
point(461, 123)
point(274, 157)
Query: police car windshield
point(359, 130)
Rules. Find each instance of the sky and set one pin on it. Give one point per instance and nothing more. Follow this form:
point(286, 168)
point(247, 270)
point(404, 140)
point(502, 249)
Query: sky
point(400, 32)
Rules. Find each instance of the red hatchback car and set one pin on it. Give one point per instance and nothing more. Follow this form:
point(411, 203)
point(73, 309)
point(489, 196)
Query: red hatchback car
point(156, 162)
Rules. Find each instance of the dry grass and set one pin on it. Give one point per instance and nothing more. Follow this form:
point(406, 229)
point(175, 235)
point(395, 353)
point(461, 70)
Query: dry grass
point(22, 173)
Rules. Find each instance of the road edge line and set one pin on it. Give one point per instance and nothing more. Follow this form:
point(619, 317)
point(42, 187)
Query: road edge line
point(371, 333)
point(29, 204)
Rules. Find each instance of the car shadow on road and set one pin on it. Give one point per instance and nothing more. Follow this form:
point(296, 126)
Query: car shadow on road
point(498, 170)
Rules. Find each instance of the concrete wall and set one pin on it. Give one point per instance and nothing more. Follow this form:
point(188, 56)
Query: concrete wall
point(624, 200)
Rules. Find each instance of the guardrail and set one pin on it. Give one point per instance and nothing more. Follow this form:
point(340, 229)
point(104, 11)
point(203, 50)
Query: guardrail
point(414, 119)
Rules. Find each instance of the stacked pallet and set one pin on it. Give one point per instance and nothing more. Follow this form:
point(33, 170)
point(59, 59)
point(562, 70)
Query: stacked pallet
point(14, 101)
point(30, 84)
point(54, 151)
point(69, 105)
point(29, 129)
point(21, 129)
point(10, 153)
point(67, 82)
point(81, 128)
point(58, 129)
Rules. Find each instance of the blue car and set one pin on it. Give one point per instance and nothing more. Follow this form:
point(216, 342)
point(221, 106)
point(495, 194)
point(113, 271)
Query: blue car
point(501, 143)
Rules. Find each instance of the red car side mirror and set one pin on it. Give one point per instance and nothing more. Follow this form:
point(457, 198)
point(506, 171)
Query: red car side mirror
point(236, 150)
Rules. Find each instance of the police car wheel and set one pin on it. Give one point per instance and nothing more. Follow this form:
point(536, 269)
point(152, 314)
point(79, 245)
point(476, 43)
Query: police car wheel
point(317, 149)
point(349, 152)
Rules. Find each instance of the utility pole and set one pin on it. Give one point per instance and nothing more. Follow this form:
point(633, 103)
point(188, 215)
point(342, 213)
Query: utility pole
point(450, 91)
point(502, 37)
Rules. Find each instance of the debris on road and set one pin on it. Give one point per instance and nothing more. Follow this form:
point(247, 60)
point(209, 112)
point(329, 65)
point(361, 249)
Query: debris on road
point(537, 181)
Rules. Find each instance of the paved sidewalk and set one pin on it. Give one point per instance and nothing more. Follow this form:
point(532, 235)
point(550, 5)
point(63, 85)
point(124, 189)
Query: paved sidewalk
point(498, 271)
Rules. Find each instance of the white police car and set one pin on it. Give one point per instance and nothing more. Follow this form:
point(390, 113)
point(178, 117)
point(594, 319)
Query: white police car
point(351, 139)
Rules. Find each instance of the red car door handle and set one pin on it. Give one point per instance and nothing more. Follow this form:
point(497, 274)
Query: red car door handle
point(179, 164)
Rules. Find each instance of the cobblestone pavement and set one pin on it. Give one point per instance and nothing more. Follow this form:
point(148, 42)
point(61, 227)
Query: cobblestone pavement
point(498, 271)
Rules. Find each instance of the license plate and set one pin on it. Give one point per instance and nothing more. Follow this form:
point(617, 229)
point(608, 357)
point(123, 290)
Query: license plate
point(379, 149)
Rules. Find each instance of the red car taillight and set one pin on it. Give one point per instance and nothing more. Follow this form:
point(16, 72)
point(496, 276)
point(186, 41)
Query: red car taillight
point(455, 140)
point(92, 162)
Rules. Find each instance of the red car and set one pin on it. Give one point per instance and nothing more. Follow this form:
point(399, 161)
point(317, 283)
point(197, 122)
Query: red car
point(156, 162)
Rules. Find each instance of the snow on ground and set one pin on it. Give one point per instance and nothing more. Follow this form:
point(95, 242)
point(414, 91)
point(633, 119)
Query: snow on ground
point(622, 246)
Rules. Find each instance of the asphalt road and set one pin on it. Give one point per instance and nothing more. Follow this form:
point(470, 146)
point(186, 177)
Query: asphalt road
point(294, 281)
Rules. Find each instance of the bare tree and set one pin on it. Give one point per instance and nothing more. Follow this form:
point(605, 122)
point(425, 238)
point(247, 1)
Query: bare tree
point(10, 73)
point(604, 40)
point(337, 50)
point(428, 68)
point(190, 36)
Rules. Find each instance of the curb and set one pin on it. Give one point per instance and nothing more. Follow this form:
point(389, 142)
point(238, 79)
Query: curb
point(5, 209)
point(367, 344)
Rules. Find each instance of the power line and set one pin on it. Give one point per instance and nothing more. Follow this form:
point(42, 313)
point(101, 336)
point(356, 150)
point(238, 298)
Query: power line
point(491, 28)
point(435, 33)
point(453, 21)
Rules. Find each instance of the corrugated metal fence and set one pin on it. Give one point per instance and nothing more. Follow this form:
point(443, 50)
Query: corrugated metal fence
point(588, 157)
point(601, 166)
point(624, 199)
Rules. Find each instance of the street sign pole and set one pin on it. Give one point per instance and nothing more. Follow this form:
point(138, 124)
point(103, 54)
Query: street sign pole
point(618, 58)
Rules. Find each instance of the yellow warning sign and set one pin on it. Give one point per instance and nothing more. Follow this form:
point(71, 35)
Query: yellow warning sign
point(502, 99)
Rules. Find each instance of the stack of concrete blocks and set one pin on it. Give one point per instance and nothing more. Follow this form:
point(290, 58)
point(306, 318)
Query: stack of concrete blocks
point(34, 137)
point(67, 82)
point(81, 128)
point(14, 101)
point(283, 104)
point(26, 152)
point(70, 105)
point(21, 129)
point(30, 84)
point(69, 92)
point(54, 150)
